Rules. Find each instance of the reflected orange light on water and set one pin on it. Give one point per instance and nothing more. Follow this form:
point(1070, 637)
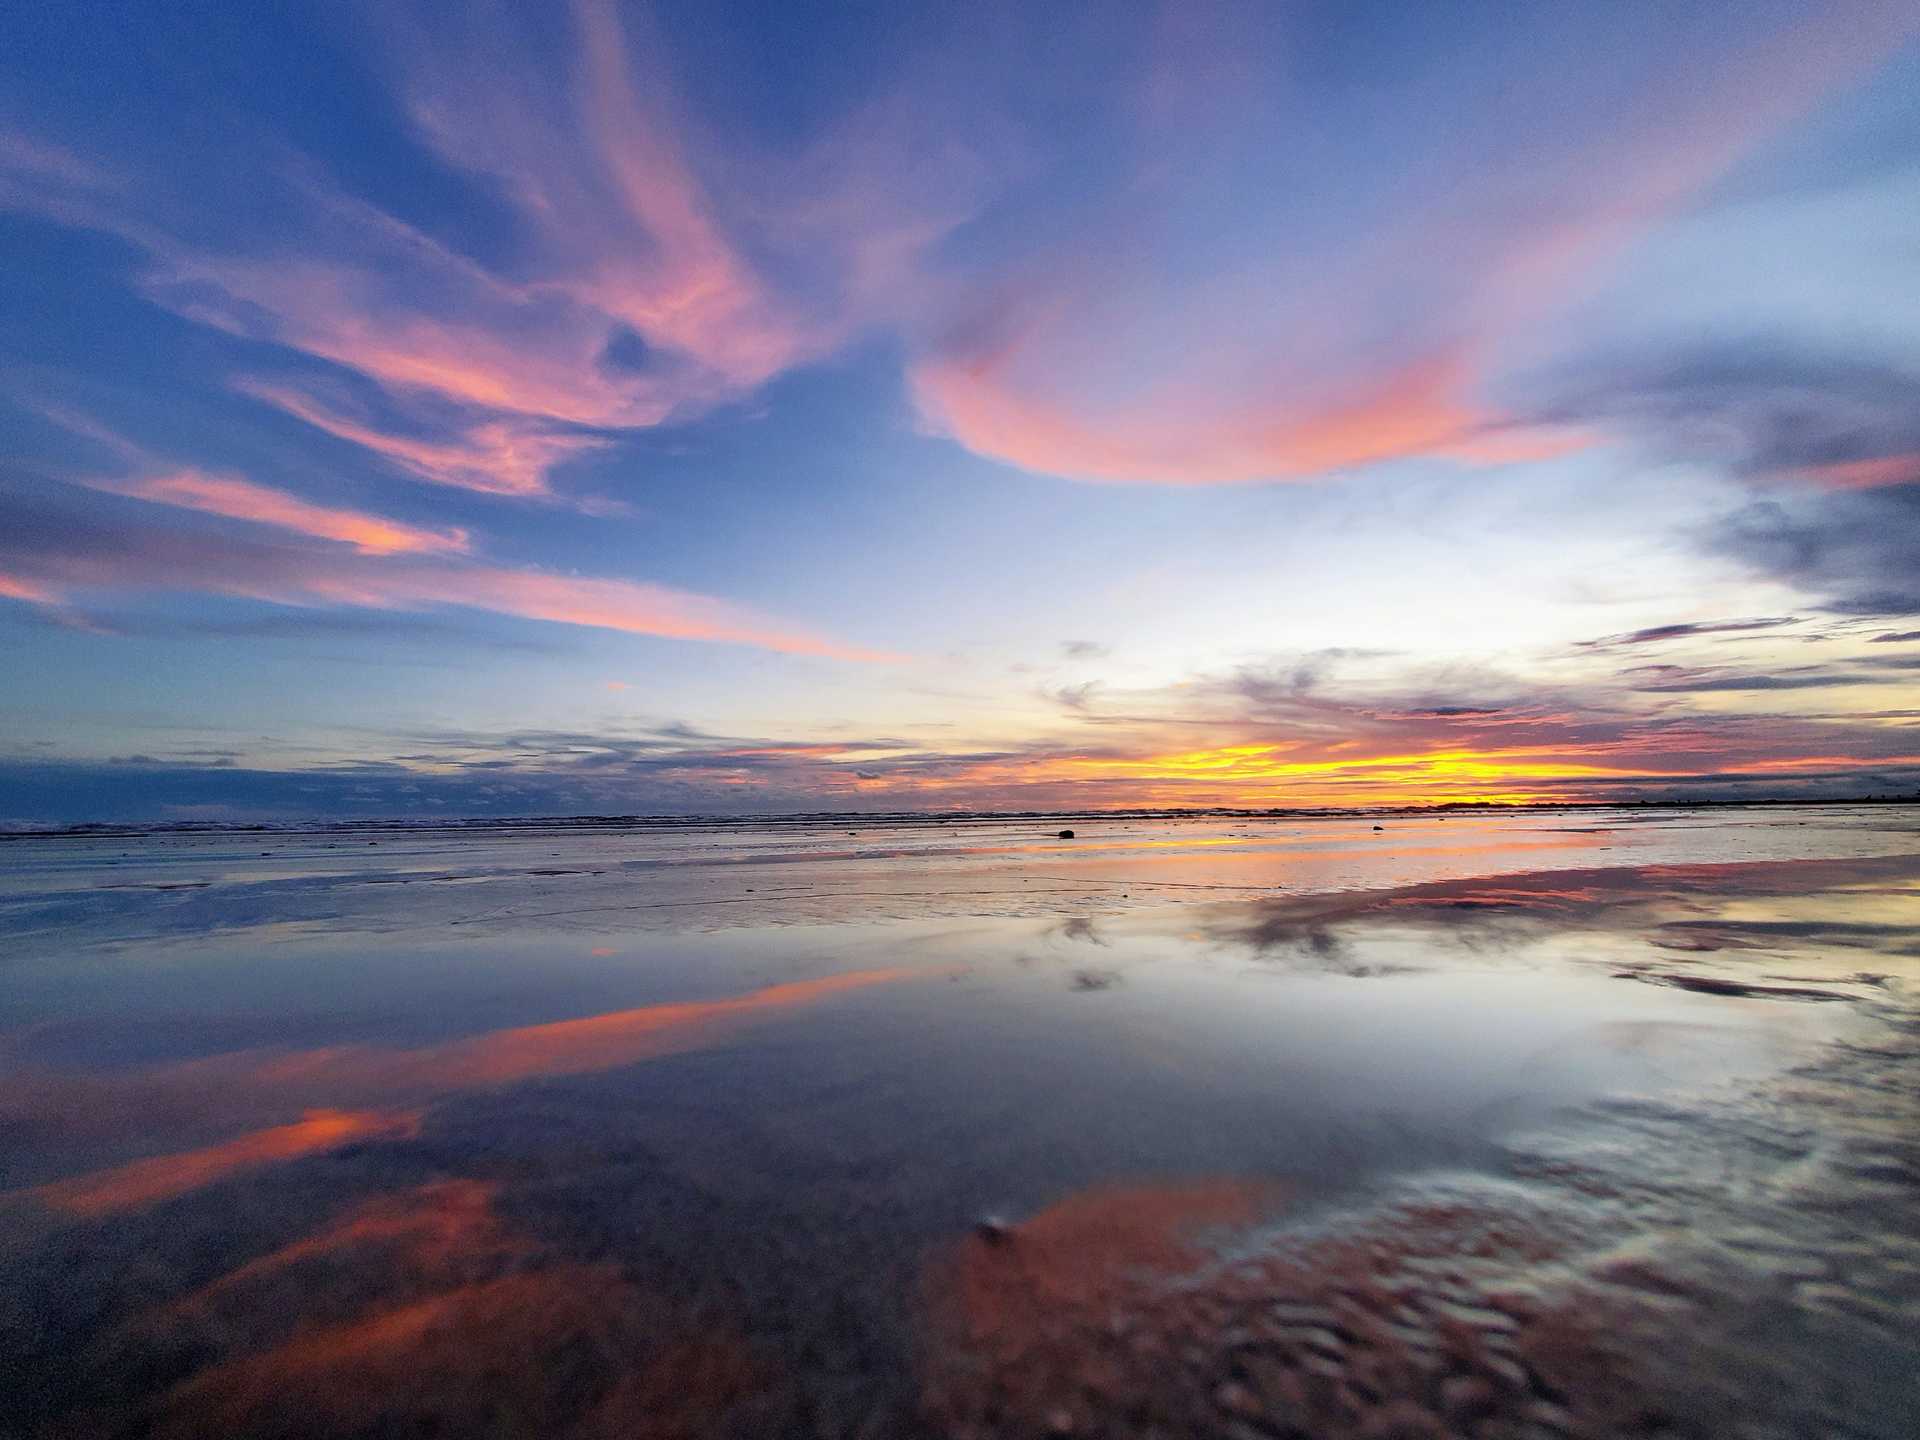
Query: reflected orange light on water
point(143, 1182)
point(377, 1076)
point(598, 1042)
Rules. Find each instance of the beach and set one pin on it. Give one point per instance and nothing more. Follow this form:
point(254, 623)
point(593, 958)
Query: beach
point(1551, 1122)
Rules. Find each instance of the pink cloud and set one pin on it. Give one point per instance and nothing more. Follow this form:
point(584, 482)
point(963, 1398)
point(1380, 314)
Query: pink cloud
point(24, 159)
point(389, 566)
point(1418, 410)
point(135, 559)
point(696, 294)
point(446, 336)
point(1109, 355)
point(497, 457)
point(634, 607)
point(12, 587)
point(622, 236)
point(599, 168)
point(1866, 474)
point(1310, 354)
point(242, 500)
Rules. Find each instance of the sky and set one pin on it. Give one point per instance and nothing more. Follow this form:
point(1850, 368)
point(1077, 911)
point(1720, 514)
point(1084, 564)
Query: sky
point(723, 407)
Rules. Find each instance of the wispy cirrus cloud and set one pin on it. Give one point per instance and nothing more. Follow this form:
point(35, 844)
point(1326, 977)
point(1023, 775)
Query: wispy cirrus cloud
point(14, 587)
point(1900, 469)
point(1338, 348)
point(593, 157)
point(658, 267)
point(505, 456)
point(487, 377)
point(160, 482)
point(387, 564)
point(630, 305)
point(238, 499)
point(1421, 409)
point(1686, 630)
point(55, 554)
point(1808, 678)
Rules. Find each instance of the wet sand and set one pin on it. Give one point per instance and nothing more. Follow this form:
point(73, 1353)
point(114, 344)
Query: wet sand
point(1578, 1123)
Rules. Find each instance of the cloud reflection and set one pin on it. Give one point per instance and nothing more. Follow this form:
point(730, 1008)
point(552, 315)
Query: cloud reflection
point(147, 1182)
point(246, 1083)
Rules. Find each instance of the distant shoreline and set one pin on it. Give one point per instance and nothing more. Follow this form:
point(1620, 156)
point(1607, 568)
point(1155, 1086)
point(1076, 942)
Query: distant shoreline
point(907, 818)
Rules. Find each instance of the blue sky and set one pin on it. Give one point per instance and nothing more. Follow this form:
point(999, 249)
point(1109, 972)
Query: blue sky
point(503, 409)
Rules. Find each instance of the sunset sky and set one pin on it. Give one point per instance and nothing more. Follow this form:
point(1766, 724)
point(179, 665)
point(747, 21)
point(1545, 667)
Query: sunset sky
point(713, 406)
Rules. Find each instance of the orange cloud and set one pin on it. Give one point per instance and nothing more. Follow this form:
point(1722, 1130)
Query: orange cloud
point(1385, 759)
point(243, 500)
point(1257, 775)
point(145, 1182)
point(1267, 775)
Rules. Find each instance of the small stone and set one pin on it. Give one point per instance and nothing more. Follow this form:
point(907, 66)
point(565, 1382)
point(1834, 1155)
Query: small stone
point(1475, 1316)
point(1238, 1399)
point(1463, 1396)
point(1066, 834)
point(1842, 1300)
point(1509, 1372)
point(1553, 1417)
point(1315, 1338)
point(1325, 1366)
point(1413, 1337)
